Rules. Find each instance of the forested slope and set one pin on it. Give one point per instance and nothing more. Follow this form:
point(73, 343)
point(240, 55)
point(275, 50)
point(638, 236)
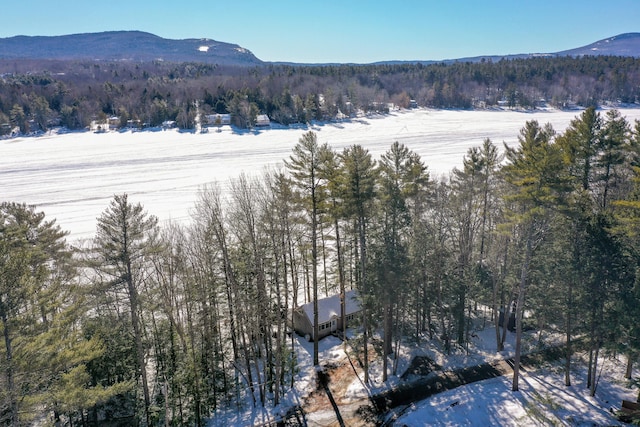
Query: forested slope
point(37, 95)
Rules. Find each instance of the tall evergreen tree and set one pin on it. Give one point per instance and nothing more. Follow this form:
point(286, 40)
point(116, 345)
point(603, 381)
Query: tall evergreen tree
point(360, 177)
point(613, 154)
point(465, 204)
point(44, 356)
point(627, 213)
point(304, 165)
point(534, 171)
point(332, 171)
point(400, 174)
point(125, 236)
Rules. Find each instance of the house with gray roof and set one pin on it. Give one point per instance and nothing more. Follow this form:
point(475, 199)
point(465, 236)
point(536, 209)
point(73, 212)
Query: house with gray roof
point(329, 315)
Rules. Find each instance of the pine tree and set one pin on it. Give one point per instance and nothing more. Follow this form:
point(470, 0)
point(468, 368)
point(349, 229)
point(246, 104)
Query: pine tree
point(464, 207)
point(534, 172)
point(304, 166)
point(613, 149)
point(125, 236)
point(360, 180)
point(400, 175)
point(332, 171)
point(627, 214)
point(45, 355)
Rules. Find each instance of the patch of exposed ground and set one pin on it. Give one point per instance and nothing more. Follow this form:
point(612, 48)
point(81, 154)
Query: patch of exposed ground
point(361, 411)
point(319, 410)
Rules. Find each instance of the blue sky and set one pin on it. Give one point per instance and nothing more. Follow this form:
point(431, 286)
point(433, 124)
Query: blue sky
point(342, 31)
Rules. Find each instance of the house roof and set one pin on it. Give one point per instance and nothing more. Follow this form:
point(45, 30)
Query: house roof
point(330, 307)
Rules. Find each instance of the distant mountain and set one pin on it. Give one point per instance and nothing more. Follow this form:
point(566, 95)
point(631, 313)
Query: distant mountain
point(124, 45)
point(627, 44)
point(141, 46)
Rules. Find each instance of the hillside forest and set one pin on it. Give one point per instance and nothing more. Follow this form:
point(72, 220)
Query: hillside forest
point(169, 323)
point(36, 95)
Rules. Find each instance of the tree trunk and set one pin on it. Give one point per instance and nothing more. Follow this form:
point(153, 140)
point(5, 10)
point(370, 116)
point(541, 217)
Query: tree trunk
point(135, 320)
point(247, 358)
point(629, 371)
point(364, 286)
point(590, 369)
point(365, 344)
point(314, 267)
point(387, 348)
point(568, 350)
point(399, 321)
point(343, 312)
point(594, 382)
point(13, 404)
point(520, 306)
point(591, 374)
point(496, 315)
point(290, 253)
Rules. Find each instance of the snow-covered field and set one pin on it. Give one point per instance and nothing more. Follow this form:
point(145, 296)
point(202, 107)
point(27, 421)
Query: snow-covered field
point(72, 177)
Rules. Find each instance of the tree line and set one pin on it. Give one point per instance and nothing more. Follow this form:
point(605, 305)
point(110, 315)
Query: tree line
point(163, 325)
point(39, 95)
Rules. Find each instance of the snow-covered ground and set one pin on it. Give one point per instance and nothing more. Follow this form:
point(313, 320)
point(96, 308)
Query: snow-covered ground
point(542, 399)
point(72, 177)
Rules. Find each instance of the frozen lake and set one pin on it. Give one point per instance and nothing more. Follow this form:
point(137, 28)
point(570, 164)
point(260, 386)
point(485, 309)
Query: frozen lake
point(72, 177)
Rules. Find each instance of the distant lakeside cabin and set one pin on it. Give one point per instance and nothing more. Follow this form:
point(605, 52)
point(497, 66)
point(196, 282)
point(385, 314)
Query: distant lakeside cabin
point(329, 316)
point(218, 119)
point(262, 120)
point(99, 126)
point(169, 124)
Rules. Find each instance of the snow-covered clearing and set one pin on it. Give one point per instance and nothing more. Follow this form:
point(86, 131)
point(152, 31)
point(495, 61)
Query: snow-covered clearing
point(543, 398)
point(72, 177)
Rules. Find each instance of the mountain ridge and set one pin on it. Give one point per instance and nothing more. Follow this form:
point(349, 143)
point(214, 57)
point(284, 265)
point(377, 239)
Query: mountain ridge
point(143, 46)
point(625, 44)
point(125, 46)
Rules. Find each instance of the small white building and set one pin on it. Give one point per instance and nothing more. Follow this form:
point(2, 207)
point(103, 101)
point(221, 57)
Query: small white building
point(329, 315)
point(114, 122)
point(99, 126)
point(218, 119)
point(168, 124)
point(340, 115)
point(262, 120)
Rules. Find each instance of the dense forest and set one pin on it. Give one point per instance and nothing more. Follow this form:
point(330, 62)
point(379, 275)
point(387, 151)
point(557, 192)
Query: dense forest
point(38, 95)
point(169, 323)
